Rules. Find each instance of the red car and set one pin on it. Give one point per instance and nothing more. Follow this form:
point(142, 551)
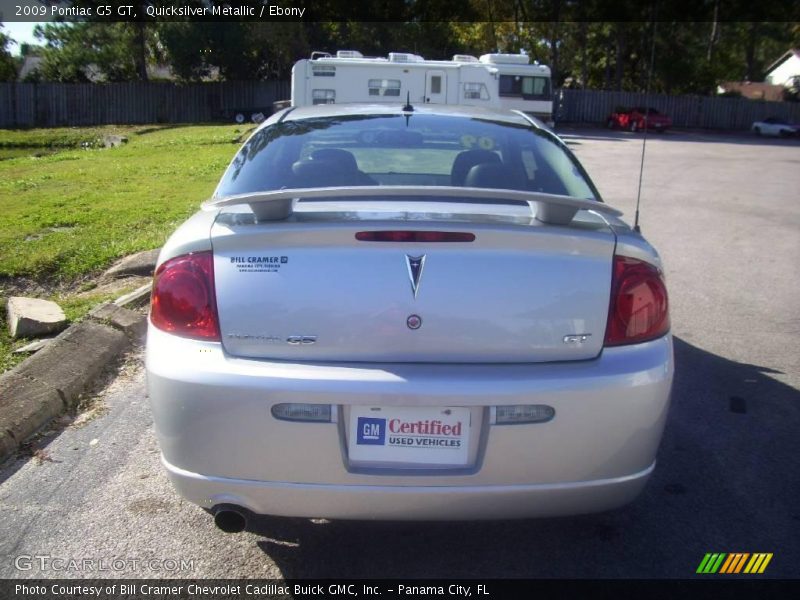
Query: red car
point(636, 119)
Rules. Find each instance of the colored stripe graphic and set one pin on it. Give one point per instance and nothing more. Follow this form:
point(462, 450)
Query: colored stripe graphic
point(741, 562)
point(716, 564)
point(755, 562)
point(758, 563)
point(711, 563)
point(703, 563)
point(730, 564)
point(765, 563)
point(733, 563)
point(727, 564)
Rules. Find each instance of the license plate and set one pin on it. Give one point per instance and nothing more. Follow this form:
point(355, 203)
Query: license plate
point(414, 436)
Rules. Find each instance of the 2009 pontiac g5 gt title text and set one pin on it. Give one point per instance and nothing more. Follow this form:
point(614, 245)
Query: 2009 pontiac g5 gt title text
point(127, 11)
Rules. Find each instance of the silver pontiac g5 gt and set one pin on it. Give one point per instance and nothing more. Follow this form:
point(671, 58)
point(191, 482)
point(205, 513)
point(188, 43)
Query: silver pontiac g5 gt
point(407, 313)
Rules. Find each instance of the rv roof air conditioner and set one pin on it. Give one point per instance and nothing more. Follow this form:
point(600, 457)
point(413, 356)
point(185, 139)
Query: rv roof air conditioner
point(349, 54)
point(404, 57)
point(505, 59)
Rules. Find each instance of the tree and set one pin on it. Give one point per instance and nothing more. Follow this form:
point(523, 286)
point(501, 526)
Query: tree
point(187, 49)
point(237, 50)
point(90, 51)
point(8, 65)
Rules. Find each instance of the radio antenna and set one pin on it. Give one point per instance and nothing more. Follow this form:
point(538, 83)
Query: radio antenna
point(408, 107)
point(636, 227)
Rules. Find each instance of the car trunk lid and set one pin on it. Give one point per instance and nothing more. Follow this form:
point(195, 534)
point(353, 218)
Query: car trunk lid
point(307, 289)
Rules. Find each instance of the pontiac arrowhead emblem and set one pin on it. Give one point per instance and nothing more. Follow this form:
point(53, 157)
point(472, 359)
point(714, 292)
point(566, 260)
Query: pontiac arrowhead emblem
point(415, 265)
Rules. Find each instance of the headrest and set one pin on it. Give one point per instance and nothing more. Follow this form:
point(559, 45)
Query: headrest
point(468, 159)
point(493, 176)
point(343, 158)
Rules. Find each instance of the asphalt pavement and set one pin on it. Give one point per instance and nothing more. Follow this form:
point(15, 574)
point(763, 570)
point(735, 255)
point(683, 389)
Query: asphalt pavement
point(91, 498)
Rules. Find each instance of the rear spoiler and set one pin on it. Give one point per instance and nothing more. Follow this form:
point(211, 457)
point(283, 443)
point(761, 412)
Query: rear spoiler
point(547, 208)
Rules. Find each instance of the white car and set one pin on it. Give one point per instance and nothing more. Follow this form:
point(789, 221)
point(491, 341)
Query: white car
point(391, 312)
point(775, 126)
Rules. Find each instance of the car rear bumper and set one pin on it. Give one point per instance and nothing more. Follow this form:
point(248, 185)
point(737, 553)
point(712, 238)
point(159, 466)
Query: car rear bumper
point(397, 503)
point(221, 444)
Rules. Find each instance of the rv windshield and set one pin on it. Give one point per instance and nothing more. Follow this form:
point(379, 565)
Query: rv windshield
point(425, 150)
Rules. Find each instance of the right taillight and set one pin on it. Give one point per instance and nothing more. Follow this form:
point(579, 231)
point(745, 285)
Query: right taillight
point(183, 301)
point(639, 310)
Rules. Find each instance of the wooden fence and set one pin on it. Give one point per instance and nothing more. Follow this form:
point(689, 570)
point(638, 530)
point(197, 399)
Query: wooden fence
point(65, 104)
point(704, 112)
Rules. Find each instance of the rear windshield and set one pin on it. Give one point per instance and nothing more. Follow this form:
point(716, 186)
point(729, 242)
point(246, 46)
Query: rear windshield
point(428, 150)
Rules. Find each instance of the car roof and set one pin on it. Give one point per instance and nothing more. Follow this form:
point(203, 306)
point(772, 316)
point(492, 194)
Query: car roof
point(338, 110)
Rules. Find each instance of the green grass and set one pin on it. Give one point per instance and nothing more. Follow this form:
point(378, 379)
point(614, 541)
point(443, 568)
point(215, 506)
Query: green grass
point(73, 212)
point(7, 346)
point(69, 208)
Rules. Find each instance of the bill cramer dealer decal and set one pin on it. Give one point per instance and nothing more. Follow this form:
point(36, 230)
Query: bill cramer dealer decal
point(259, 264)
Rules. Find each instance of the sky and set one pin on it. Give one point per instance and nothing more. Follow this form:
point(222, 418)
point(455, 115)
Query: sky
point(21, 33)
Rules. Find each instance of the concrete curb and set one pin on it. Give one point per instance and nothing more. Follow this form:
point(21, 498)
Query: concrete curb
point(52, 380)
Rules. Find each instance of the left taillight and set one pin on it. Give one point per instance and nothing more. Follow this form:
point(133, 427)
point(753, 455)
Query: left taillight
point(183, 301)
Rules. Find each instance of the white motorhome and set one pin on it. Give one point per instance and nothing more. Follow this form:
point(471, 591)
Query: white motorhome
point(493, 80)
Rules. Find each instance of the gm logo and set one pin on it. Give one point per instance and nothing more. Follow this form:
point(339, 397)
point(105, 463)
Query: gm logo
point(733, 563)
point(371, 431)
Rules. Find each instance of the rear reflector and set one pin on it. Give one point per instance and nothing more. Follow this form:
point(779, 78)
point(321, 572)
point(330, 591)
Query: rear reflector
point(315, 413)
point(523, 413)
point(183, 301)
point(639, 310)
point(414, 236)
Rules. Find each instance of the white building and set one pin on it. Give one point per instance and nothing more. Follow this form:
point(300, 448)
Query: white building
point(784, 70)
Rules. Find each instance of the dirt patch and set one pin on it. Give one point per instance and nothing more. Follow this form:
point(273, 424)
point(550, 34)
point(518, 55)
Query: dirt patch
point(82, 287)
point(24, 286)
point(112, 286)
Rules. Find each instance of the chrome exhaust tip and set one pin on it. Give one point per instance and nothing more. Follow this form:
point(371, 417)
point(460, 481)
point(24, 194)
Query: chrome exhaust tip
point(230, 520)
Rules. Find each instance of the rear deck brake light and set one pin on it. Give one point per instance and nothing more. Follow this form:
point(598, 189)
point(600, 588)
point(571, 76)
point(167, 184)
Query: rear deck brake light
point(638, 311)
point(183, 301)
point(415, 236)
